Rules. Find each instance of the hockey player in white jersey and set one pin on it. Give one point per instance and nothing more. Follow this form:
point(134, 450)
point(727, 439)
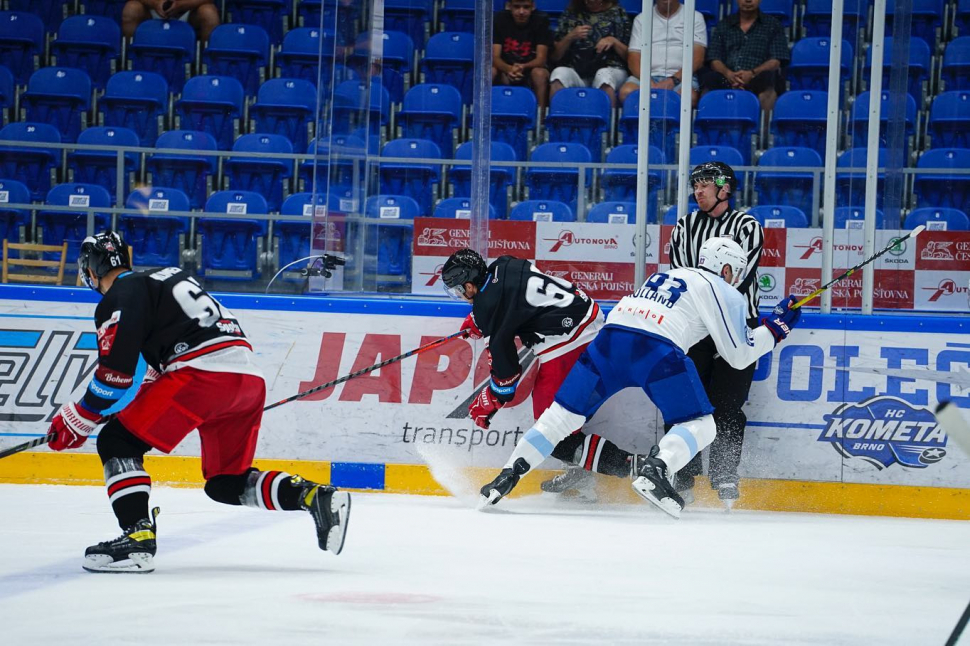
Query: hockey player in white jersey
point(644, 344)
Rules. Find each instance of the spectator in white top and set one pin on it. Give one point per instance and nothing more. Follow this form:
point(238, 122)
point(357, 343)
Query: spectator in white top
point(666, 71)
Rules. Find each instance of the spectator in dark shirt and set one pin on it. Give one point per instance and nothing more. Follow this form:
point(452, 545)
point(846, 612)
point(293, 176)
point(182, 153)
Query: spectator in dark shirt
point(746, 51)
point(520, 47)
point(203, 15)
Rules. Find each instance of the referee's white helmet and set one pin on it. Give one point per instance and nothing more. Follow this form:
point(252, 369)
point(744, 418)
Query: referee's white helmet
point(717, 252)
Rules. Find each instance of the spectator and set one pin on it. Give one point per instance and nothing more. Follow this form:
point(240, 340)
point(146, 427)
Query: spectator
point(746, 51)
point(520, 48)
point(666, 71)
point(203, 15)
point(591, 47)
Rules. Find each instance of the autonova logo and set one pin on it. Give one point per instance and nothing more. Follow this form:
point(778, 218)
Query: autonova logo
point(885, 430)
point(815, 246)
point(947, 287)
point(567, 238)
point(433, 276)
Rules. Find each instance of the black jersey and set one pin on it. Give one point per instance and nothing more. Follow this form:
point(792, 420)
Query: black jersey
point(165, 316)
point(548, 314)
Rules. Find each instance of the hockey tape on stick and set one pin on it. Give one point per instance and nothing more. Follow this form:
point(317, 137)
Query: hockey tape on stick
point(37, 441)
point(376, 366)
point(912, 234)
point(956, 427)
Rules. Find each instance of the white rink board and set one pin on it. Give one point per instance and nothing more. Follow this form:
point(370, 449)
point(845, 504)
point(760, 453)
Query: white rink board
point(384, 416)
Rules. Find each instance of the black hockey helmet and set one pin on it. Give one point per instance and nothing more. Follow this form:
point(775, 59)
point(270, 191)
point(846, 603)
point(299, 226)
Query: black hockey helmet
point(719, 172)
point(101, 253)
point(463, 266)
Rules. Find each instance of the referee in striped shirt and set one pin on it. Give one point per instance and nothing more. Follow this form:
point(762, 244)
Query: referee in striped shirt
point(714, 184)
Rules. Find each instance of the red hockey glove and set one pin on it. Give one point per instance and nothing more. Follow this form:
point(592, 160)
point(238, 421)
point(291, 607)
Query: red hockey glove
point(496, 394)
point(72, 425)
point(469, 326)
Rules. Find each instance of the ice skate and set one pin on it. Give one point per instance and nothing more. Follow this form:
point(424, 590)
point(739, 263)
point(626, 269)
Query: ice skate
point(331, 513)
point(728, 493)
point(654, 486)
point(575, 480)
point(132, 552)
point(503, 484)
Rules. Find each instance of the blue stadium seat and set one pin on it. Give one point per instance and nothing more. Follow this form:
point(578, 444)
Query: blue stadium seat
point(212, 104)
point(809, 67)
point(13, 220)
point(335, 163)
point(580, 115)
point(730, 156)
point(513, 117)
point(783, 187)
point(939, 190)
point(156, 238)
point(450, 60)
point(408, 16)
point(817, 19)
point(782, 10)
point(230, 247)
point(552, 8)
point(850, 185)
point(432, 111)
point(799, 119)
point(266, 176)
point(359, 103)
point(955, 70)
point(558, 184)
point(459, 15)
point(187, 171)
point(107, 8)
point(387, 249)
point(938, 219)
point(166, 47)
point(299, 56)
point(501, 178)
point(292, 237)
point(949, 122)
point(8, 93)
point(136, 100)
point(268, 14)
point(90, 43)
point(664, 120)
point(620, 184)
point(458, 208)
point(780, 216)
point(613, 213)
point(239, 51)
point(285, 107)
point(397, 53)
point(58, 96)
point(542, 211)
point(961, 17)
point(101, 166)
point(926, 17)
point(30, 166)
point(50, 12)
point(415, 179)
point(860, 119)
point(728, 118)
point(21, 41)
point(919, 66)
point(71, 226)
point(852, 217)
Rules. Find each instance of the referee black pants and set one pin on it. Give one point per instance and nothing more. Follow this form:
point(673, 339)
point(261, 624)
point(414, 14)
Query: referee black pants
point(727, 388)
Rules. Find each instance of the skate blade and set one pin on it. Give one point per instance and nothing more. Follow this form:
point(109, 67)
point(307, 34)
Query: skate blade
point(340, 512)
point(645, 490)
point(136, 563)
point(485, 502)
point(728, 505)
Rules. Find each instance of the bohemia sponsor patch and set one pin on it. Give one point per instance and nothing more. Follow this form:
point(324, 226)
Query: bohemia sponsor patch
point(107, 332)
point(884, 430)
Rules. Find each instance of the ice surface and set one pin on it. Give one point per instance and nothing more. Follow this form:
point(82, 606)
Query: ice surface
point(429, 570)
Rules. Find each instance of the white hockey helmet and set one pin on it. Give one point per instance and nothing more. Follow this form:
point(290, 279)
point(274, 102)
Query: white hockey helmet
point(717, 252)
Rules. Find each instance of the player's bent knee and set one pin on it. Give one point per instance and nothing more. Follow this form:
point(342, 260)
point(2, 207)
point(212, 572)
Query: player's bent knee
point(227, 489)
point(115, 441)
point(703, 429)
point(557, 423)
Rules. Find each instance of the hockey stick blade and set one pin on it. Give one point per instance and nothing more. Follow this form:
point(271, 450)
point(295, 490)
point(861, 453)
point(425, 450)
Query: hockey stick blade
point(911, 235)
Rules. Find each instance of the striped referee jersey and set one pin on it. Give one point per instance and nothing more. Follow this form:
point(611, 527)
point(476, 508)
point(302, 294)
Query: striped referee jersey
point(695, 228)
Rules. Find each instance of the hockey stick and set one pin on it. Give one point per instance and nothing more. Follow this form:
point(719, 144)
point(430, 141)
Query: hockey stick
point(912, 234)
point(434, 344)
point(525, 356)
point(956, 427)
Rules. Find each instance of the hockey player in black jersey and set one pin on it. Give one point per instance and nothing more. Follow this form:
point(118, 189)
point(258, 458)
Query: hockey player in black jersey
point(201, 376)
point(511, 298)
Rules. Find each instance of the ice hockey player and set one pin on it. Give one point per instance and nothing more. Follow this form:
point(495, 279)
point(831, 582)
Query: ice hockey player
point(643, 345)
point(201, 375)
point(511, 298)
